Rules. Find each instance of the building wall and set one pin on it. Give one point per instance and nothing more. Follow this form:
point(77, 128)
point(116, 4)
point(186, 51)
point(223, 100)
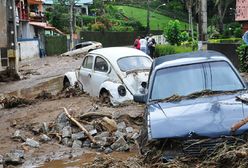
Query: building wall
point(28, 48)
point(241, 10)
point(3, 30)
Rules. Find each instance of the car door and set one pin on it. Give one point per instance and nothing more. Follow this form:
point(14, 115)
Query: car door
point(99, 75)
point(85, 73)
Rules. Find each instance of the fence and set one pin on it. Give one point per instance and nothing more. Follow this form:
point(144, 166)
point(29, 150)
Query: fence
point(55, 45)
point(112, 39)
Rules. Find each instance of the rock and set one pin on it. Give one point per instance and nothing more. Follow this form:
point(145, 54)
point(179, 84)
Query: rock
point(15, 157)
point(120, 145)
point(77, 136)
point(93, 132)
point(36, 129)
point(89, 127)
point(66, 132)
point(1, 166)
point(61, 121)
point(94, 146)
point(108, 150)
point(67, 142)
point(121, 126)
point(135, 136)
point(119, 134)
point(101, 149)
point(32, 143)
point(109, 124)
point(129, 130)
point(18, 136)
point(1, 159)
point(45, 128)
point(77, 144)
point(13, 123)
point(86, 143)
point(44, 138)
point(103, 139)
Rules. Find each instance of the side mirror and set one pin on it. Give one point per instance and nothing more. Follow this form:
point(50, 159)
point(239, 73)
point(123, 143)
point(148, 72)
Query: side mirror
point(140, 98)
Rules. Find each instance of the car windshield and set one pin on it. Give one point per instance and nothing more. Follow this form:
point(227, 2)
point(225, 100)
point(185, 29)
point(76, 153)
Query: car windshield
point(134, 63)
point(188, 79)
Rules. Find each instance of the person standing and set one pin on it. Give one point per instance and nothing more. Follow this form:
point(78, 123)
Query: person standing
point(151, 47)
point(143, 44)
point(137, 43)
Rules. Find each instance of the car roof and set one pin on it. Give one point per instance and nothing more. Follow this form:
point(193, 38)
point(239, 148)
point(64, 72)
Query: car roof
point(190, 57)
point(114, 53)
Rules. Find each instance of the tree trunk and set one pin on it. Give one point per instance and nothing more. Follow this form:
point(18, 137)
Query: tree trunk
point(220, 12)
point(71, 23)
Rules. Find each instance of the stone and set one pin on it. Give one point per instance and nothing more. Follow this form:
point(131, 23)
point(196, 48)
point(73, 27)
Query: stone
point(100, 149)
point(15, 157)
point(95, 146)
point(135, 136)
point(32, 143)
point(36, 129)
point(66, 132)
point(77, 144)
point(93, 132)
point(45, 128)
point(129, 130)
point(86, 143)
point(108, 150)
point(89, 127)
point(119, 134)
point(66, 141)
point(18, 136)
point(103, 139)
point(1, 166)
point(44, 138)
point(1, 159)
point(121, 142)
point(77, 136)
point(109, 124)
point(121, 126)
point(61, 121)
point(123, 148)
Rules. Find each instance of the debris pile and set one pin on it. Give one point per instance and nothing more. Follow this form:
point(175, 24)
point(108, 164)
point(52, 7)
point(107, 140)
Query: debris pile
point(13, 101)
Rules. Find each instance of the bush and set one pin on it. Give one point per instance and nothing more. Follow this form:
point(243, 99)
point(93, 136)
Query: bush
point(227, 40)
point(243, 57)
point(162, 50)
point(172, 32)
point(184, 36)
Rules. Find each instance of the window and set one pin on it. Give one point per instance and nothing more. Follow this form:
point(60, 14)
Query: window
point(134, 63)
point(88, 62)
point(101, 65)
point(78, 46)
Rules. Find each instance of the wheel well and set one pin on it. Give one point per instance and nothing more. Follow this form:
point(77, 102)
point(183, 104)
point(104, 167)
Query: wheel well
point(103, 90)
point(65, 80)
point(90, 50)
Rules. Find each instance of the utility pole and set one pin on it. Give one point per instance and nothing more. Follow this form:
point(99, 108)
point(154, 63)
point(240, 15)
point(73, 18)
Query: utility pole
point(71, 23)
point(148, 18)
point(12, 41)
point(202, 25)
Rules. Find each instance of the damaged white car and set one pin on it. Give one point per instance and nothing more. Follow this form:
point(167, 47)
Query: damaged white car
point(113, 74)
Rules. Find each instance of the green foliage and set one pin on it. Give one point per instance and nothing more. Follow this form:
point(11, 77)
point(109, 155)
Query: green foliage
point(172, 32)
point(213, 32)
point(122, 29)
point(184, 36)
point(227, 40)
point(232, 30)
point(243, 57)
point(162, 50)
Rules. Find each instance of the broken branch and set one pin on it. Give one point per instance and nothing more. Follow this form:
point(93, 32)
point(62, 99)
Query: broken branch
point(239, 124)
point(80, 126)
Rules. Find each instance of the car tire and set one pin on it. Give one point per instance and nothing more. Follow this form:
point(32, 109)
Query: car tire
point(105, 97)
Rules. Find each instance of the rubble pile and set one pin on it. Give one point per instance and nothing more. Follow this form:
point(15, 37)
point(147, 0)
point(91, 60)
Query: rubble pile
point(13, 101)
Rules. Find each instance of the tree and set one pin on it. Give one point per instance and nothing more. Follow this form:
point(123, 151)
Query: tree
point(172, 32)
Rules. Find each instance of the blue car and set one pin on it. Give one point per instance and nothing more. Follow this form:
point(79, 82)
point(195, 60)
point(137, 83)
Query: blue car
point(194, 95)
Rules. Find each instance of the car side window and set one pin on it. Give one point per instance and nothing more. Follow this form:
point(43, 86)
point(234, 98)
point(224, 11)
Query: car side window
point(88, 62)
point(78, 46)
point(101, 65)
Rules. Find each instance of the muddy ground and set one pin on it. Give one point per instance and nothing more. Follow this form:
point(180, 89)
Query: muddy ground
point(39, 75)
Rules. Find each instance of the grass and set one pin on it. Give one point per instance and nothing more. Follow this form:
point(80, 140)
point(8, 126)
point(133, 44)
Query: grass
point(157, 21)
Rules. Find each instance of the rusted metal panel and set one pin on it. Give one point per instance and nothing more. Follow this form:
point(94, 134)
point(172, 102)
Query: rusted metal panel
point(3, 24)
point(241, 10)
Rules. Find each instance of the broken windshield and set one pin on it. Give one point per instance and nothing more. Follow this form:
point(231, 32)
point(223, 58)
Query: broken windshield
point(187, 79)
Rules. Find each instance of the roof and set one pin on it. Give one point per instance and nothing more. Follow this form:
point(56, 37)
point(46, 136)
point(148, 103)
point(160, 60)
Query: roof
point(241, 10)
point(114, 53)
point(79, 2)
point(190, 57)
point(46, 26)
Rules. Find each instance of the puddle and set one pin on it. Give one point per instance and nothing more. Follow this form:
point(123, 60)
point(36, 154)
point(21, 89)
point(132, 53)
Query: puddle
point(86, 158)
point(52, 86)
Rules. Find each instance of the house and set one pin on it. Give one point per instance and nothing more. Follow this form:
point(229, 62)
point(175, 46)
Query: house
point(242, 13)
point(81, 6)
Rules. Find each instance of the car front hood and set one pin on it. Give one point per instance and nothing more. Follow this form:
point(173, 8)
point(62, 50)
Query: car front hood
point(211, 116)
point(133, 81)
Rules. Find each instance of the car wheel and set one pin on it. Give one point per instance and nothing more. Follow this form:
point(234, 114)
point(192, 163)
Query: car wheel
point(105, 97)
point(66, 83)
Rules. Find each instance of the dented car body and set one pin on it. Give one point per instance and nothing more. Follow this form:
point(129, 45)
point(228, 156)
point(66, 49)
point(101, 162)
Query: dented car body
point(194, 95)
point(114, 73)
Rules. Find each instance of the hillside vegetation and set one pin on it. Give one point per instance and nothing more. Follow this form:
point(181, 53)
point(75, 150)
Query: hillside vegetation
point(157, 21)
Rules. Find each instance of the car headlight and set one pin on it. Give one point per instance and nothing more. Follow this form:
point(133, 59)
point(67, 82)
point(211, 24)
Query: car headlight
point(121, 90)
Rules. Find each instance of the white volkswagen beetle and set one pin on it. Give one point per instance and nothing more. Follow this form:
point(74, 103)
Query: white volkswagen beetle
point(113, 74)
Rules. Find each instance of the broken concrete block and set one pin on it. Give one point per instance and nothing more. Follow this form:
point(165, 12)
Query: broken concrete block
point(15, 157)
point(77, 136)
point(121, 126)
point(135, 136)
point(109, 124)
point(44, 138)
point(45, 128)
point(61, 121)
point(76, 144)
point(93, 132)
point(129, 130)
point(32, 143)
point(86, 143)
point(66, 132)
point(121, 142)
point(67, 142)
point(18, 136)
point(108, 150)
point(89, 127)
point(119, 134)
point(101, 149)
